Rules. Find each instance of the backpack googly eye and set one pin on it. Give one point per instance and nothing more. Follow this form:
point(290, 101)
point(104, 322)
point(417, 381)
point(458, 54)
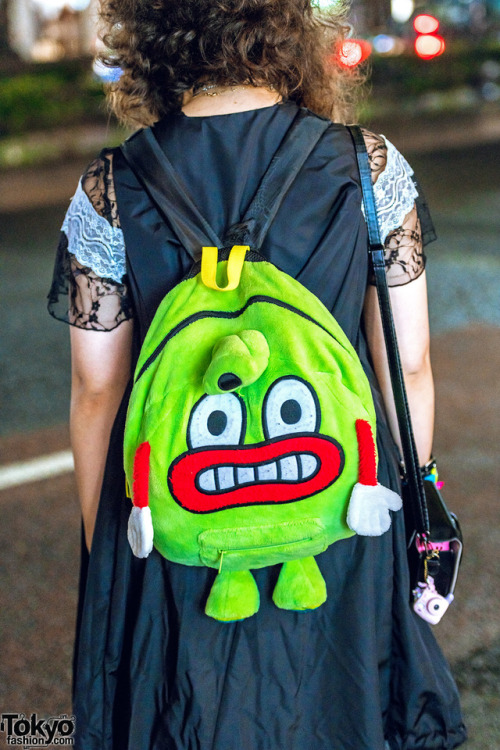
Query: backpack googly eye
point(216, 420)
point(290, 406)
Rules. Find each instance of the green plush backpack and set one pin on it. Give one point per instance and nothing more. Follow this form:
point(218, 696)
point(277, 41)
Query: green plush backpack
point(250, 433)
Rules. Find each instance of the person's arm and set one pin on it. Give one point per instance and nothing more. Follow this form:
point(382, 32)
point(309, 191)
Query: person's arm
point(409, 307)
point(391, 176)
point(100, 370)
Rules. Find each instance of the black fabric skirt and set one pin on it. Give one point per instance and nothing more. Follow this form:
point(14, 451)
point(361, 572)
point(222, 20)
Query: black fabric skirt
point(154, 672)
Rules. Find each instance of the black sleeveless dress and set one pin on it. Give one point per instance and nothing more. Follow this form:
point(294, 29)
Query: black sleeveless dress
point(153, 672)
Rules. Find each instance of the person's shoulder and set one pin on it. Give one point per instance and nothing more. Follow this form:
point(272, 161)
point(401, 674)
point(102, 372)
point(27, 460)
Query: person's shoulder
point(100, 165)
point(376, 146)
point(98, 185)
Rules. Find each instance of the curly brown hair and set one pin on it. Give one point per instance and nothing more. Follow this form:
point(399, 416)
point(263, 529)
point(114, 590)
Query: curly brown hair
point(165, 47)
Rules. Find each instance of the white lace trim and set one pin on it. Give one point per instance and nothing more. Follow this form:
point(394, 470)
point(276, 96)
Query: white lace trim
point(92, 240)
point(101, 247)
point(394, 191)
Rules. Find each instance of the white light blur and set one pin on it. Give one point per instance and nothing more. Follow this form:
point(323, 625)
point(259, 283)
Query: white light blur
point(401, 10)
point(105, 74)
point(491, 91)
point(52, 7)
point(384, 44)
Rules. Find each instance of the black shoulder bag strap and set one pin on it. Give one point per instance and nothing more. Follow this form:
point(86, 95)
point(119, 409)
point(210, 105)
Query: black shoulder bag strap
point(158, 177)
point(376, 251)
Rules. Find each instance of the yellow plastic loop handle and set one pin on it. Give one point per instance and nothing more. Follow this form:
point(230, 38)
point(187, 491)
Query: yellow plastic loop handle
point(235, 262)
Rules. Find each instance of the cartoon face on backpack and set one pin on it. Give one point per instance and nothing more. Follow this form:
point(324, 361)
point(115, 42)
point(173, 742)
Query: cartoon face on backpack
point(249, 441)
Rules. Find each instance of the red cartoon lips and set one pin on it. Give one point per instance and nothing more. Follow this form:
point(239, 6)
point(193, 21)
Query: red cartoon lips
point(278, 471)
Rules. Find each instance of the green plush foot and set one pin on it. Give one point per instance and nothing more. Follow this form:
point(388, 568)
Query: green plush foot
point(234, 596)
point(300, 585)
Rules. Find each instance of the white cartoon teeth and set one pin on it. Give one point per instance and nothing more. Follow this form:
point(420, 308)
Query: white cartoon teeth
point(289, 469)
point(225, 475)
point(267, 472)
point(308, 464)
point(245, 474)
point(207, 480)
point(295, 468)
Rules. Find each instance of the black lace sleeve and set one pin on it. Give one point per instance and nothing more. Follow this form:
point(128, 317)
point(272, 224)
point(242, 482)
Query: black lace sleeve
point(89, 285)
point(405, 258)
point(97, 183)
point(81, 298)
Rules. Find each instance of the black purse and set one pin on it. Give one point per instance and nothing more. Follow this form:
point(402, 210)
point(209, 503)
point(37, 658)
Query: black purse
point(434, 537)
point(445, 543)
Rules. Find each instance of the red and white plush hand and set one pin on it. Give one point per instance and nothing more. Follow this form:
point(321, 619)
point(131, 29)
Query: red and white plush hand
point(369, 506)
point(140, 531)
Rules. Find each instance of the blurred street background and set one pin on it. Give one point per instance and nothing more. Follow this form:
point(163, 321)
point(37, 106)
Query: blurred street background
point(434, 91)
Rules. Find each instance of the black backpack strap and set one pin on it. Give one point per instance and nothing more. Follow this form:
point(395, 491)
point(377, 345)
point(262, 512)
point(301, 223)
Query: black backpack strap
point(376, 251)
point(155, 172)
point(298, 143)
point(159, 178)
